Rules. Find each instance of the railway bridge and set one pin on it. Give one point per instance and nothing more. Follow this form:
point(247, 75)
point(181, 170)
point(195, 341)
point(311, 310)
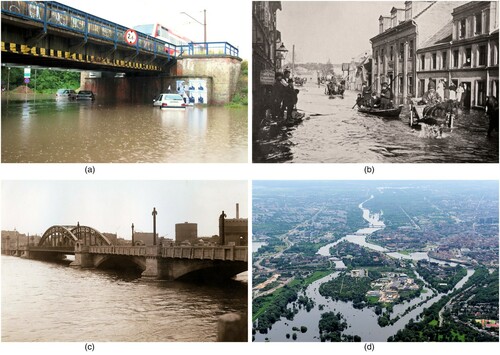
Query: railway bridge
point(51, 34)
point(92, 249)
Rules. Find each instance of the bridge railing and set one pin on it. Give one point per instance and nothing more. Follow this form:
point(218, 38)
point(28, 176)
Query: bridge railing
point(232, 253)
point(208, 49)
point(118, 250)
point(61, 16)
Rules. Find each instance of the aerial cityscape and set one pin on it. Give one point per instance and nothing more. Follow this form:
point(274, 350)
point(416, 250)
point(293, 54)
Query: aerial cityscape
point(375, 261)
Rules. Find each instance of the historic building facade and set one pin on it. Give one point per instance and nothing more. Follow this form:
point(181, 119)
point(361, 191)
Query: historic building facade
point(464, 51)
point(265, 36)
point(401, 34)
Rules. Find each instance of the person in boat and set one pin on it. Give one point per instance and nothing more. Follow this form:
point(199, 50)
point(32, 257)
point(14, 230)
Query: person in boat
point(330, 87)
point(374, 100)
point(386, 96)
point(365, 95)
point(341, 88)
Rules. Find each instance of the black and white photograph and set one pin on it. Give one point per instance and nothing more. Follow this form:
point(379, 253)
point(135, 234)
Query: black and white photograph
point(376, 82)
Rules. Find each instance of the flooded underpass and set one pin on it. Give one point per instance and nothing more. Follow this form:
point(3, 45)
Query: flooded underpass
point(333, 131)
point(63, 131)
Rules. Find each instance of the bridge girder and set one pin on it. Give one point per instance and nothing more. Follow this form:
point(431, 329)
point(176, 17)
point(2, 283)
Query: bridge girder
point(58, 235)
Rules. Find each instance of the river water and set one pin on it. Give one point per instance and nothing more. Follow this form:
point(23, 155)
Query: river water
point(362, 322)
point(337, 133)
point(62, 131)
point(44, 301)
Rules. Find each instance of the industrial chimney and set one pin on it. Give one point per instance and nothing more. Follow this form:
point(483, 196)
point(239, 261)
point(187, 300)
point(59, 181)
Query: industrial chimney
point(237, 210)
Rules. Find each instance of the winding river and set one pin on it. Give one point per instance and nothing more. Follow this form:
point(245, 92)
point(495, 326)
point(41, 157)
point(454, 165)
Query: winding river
point(362, 322)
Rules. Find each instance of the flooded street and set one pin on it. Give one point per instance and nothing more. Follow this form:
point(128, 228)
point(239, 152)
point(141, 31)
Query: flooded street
point(335, 132)
point(44, 301)
point(50, 131)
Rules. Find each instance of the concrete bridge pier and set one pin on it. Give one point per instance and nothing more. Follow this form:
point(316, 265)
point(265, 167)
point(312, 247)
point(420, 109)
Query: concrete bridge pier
point(83, 258)
point(154, 263)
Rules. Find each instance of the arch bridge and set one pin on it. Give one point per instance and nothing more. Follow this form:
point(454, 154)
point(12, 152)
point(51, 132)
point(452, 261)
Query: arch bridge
point(92, 249)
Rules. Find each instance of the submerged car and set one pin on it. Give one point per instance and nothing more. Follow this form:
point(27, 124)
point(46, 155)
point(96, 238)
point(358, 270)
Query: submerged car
point(85, 95)
point(65, 94)
point(169, 101)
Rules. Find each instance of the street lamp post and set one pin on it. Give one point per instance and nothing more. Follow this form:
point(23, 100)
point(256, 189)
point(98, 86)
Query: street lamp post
point(281, 54)
point(204, 24)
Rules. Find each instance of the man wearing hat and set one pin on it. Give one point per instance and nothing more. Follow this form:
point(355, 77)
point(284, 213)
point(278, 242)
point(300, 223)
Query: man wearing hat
point(386, 96)
point(431, 97)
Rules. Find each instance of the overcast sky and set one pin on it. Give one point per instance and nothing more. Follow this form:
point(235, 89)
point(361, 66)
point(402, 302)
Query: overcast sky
point(334, 30)
point(224, 18)
point(112, 206)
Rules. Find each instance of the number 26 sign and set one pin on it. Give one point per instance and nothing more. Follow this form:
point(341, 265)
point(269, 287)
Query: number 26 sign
point(131, 37)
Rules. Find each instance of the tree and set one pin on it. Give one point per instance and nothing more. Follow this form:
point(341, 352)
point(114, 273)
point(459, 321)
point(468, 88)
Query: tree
point(327, 69)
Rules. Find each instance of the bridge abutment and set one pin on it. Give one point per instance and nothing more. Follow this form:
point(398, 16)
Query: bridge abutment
point(224, 71)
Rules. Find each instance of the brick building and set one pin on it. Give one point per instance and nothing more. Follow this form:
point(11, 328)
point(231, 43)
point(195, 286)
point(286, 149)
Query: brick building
point(464, 51)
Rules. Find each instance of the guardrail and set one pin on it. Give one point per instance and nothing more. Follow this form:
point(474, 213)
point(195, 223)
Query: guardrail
point(54, 14)
point(208, 49)
point(61, 16)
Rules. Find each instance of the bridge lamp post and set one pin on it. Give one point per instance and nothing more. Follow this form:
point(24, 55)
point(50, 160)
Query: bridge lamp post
point(154, 225)
point(204, 24)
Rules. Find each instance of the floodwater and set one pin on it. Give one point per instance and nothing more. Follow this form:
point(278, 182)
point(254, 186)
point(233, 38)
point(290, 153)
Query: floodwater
point(361, 322)
point(63, 131)
point(44, 301)
point(335, 132)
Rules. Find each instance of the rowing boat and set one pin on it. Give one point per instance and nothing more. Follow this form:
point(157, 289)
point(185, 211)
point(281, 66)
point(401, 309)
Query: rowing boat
point(387, 113)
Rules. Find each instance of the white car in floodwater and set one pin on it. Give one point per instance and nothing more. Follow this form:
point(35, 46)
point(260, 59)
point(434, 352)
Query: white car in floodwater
point(169, 101)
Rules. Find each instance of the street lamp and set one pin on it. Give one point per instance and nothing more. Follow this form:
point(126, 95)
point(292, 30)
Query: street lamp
point(204, 24)
point(281, 52)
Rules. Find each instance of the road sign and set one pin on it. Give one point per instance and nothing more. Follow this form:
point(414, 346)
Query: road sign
point(26, 80)
point(131, 37)
point(267, 77)
point(27, 72)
